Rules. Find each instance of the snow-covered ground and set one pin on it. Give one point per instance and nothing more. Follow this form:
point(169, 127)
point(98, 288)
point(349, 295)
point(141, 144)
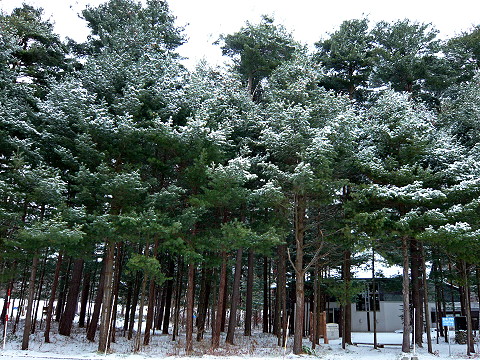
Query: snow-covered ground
point(259, 346)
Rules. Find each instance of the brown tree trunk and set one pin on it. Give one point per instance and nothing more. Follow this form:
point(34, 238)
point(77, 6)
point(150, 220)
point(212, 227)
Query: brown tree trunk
point(374, 286)
point(425, 303)
point(115, 288)
point(190, 304)
point(204, 296)
point(22, 300)
point(63, 291)
point(282, 292)
point(300, 213)
point(224, 309)
point(160, 308)
point(138, 335)
point(220, 302)
point(105, 322)
point(65, 326)
point(149, 319)
point(133, 308)
point(84, 299)
point(31, 294)
point(468, 313)
point(406, 297)
point(249, 295)
point(317, 310)
point(128, 306)
point(92, 326)
point(151, 302)
point(232, 321)
point(48, 316)
point(178, 296)
point(266, 289)
point(347, 309)
point(168, 298)
point(416, 292)
point(39, 296)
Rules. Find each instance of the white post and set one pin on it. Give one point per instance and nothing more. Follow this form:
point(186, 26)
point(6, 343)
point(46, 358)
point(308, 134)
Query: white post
point(448, 338)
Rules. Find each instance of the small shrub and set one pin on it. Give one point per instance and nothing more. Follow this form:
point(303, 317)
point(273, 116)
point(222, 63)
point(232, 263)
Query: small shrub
point(461, 337)
point(308, 350)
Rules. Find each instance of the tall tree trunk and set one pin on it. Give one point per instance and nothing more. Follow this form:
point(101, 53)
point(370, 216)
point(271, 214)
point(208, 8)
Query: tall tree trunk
point(48, 316)
point(266, 290)
point(63, 291)
point(374, 286)
point(168, 298)
point(317, 305)
point(347, 309)
point(92, 326)
point(190, 304)
point(232, 321)
point(65, 326)
point(249, 295)
point(220, 302)
point(444, 301)
point(282, 292)
point(138, 336)
point(204, 296)
point(22, 300)
point(39, 295)
point(31, 294)
point(133, 309)
point(425, 303)
point(105, 322)
point(178, 296)
point(213, 320)
point(416, 292)
point(161, 308)
point(151, 302)
point(149, 319)
point(477, 277)
point(468, 313)
point(224, 308)
point(115, 288)
point(406, 297)
point(300, 213)
point(128, 306)
point(84, 299)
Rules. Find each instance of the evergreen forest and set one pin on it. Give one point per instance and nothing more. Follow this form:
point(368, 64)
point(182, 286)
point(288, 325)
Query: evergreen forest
point(230, 197)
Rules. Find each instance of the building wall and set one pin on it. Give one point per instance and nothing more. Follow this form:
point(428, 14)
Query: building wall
point(389, 317)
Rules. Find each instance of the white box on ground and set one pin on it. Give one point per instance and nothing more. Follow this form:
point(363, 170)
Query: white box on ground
point(332, 331)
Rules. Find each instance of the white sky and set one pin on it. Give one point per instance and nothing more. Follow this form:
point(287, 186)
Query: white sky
point(309, 20)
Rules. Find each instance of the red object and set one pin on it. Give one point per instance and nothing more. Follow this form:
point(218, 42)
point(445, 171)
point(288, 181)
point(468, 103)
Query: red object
point(6, 318)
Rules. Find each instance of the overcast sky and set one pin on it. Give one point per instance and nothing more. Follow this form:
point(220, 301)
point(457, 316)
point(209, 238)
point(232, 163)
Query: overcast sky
point(308, 20)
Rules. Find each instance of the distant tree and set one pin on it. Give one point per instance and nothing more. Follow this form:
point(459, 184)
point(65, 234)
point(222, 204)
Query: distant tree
point(462, 54)
point(257, 49)
point(461, 112)
point(298, 133)
point(406, 56)
point(347, 57)
point(129, 27)
point(40, 54)
point(403, 190)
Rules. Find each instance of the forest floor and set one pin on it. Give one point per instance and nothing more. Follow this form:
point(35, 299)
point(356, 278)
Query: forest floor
point(259, 346)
